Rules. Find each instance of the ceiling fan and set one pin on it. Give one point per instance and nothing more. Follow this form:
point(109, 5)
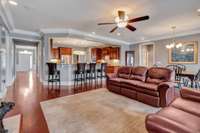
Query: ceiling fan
point(122, 21)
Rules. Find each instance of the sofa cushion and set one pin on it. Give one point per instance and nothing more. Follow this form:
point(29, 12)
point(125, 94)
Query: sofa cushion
point(187, 106)
point(157, 75)
point(140, 86)
point(124, 72)
point(179, 116)
point(139, 73)
point(116, 81)
point(159, 124)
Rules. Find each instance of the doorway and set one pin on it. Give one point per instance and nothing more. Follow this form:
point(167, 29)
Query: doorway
point(147, 54)
point(25, 58)
point(25, 61)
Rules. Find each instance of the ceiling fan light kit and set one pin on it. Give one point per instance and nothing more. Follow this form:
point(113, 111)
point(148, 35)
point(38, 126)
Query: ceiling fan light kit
point(123, 21)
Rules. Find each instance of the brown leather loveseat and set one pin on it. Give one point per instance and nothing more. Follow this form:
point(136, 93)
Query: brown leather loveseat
point(182, 116)
point(153, 86)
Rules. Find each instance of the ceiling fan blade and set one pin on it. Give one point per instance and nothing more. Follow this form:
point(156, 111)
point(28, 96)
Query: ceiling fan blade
point(105, 23)
point(121, 14)
point(113, 29)
point(138, 19)
point(131, 27)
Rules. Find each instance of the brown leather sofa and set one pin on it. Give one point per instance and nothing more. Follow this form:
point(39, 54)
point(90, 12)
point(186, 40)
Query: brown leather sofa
point(153, 86)
point(182, 116)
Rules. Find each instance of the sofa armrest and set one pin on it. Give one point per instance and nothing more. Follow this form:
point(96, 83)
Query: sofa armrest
point(111, 75)
point(159, 124)
point(190, 94)
point(167, 93)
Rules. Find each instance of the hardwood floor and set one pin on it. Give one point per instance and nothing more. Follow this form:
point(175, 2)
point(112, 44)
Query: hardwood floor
point(27, 93)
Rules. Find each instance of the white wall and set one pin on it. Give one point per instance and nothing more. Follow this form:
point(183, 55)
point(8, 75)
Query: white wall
point(7, 73)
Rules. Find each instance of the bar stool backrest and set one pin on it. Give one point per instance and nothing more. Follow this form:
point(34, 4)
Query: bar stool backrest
point(52, 68)
point(103, 67)
point(92, 67)
point(81, 67)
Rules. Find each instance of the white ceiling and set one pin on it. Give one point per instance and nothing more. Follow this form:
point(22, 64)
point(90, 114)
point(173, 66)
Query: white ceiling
point(83, 15)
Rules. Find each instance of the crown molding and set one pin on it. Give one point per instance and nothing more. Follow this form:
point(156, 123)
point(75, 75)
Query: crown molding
point(84, 35)
point(25, 35)
point(187, 33)
point(54, 31)
point(24, 32)
point(6, 15)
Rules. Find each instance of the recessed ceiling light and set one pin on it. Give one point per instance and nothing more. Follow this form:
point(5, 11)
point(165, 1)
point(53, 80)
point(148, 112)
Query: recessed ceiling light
point(13, 2)
point(93, 33)
point(118, 34)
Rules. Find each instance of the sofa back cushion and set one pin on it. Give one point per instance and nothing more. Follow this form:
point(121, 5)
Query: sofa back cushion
point(157, 75)
point(139, 73)
point(124, 72)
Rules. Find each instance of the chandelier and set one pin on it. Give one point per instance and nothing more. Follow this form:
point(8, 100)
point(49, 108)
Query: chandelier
point(173, 44)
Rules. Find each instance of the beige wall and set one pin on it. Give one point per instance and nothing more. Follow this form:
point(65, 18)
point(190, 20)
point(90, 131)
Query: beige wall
point(161, 53)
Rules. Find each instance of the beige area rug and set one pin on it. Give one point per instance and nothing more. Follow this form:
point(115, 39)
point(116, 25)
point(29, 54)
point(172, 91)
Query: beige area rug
point(98, 111)
point(12, 124)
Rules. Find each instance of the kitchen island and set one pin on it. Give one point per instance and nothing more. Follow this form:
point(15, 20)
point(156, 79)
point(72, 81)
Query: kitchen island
point(67, 72)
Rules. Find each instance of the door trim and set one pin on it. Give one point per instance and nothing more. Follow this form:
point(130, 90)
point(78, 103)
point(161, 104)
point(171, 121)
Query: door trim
point(140, 52)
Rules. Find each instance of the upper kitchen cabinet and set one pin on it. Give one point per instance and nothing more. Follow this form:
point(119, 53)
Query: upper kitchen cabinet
point(65, 51)
point(107, 52)
point(55, 53)
point(96, 54)
point(115, 53)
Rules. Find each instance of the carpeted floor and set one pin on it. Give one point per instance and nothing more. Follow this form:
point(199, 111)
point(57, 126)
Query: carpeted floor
point(98, 111)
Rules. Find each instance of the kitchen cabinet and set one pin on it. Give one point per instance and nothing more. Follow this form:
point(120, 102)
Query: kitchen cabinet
point(65, 51)
point(115, 53)
point(55, 53)
point(107, 52)
point(96, 54)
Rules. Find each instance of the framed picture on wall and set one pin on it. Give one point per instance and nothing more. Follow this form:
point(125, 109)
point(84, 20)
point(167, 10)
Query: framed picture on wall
point(187, 54)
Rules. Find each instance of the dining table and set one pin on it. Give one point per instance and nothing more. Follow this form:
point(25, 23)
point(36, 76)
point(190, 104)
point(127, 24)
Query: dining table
point(189, 74)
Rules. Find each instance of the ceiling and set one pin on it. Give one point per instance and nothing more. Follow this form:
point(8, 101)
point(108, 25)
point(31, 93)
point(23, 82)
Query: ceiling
point(75, 42)
point(83, 15)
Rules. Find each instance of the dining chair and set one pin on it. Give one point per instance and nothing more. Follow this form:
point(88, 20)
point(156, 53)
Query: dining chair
point(178, 69)
point(197, 80)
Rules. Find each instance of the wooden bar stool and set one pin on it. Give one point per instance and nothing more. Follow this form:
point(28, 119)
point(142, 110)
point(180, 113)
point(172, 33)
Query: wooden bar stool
point(101, 73)
point(91, 72)
point(53, 73)
point(80, 73)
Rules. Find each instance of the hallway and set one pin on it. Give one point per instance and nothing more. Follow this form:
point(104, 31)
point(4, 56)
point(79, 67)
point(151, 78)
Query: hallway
point(27, 92)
